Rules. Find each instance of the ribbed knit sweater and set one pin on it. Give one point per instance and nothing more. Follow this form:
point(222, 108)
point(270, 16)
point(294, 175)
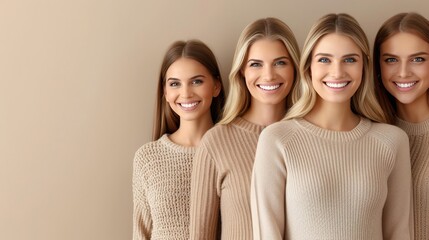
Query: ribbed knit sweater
point(313, 183)
point(418, 133)
point(220, 192)
point(161, 189)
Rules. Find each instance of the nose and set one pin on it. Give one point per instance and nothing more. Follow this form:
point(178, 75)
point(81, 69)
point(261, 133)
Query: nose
point(269, 73)
point(186, 91)
point(337, 70)
point(404, 70)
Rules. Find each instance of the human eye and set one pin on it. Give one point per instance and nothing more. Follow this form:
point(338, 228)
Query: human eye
point(418, 59)
point(174, 84)
point(350, 60)
point(280, 63)
point(255, 64)
point(324, 60)
point(197, 82)
point(390, 60)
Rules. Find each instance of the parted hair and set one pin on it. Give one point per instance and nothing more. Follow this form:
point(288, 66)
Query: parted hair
point(411, 22)
point(364, 101)
point(166, 120)
point(239, 98)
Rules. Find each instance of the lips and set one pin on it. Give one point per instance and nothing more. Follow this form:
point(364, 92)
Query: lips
point(405, 85)
point(189, 105)
point(336, 84)
point(268, 87)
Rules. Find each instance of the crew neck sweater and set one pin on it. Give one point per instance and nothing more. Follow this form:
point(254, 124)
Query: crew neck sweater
point(161, 190)
point(220, 186)
point(313, 183)
point(418, 134)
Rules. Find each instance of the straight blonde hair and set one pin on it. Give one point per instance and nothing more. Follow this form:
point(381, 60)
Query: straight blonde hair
point(239, 98)
point(364, 101)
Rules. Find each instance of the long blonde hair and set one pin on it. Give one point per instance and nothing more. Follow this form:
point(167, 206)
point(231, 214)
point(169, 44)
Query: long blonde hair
point(238, 101)
point(413, 23)
point(364, 101)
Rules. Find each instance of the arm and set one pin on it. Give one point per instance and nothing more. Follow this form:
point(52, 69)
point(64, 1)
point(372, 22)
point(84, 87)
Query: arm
point(142, 220)
point(268, 187)
point(397, 212)
point(204, 208)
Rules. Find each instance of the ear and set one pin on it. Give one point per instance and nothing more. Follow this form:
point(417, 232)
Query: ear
point(217, 88)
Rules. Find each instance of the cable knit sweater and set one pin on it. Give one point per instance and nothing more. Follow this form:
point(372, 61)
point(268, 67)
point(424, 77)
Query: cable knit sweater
point(161, 189)
point(418, 133)
point(220, 192)
point(313, 183)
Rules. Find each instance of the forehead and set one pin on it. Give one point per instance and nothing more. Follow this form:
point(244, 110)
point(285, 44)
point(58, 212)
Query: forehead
point(336, 44)
point(267, 48)
point(185, 68)
point(403, 43)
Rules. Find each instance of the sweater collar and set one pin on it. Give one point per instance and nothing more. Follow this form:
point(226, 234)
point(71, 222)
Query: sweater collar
point(248, 126)
point(339, 136)
point(164, 139)
point(413, 128)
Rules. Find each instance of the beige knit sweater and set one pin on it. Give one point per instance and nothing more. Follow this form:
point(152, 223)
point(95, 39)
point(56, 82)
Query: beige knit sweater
point(419, 147)
point(220, 204)
point(161, 189)
point(313, 183)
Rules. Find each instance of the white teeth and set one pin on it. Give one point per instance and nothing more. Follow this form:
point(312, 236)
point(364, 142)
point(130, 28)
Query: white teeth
point(336, 85)
point(269, 87)
point(405, 85)
point(188, 105)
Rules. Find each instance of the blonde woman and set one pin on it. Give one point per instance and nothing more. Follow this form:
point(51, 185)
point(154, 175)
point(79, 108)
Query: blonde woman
point(401, 63)
point(333, 169)
point(263, 73)
point(190, 96)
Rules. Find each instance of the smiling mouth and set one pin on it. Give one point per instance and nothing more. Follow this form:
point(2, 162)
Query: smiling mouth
point(405, 85)
point(336, 84)
point(189, 105)
point(268, 87)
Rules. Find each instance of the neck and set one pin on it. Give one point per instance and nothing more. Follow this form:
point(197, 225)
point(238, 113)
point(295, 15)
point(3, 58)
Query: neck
point(190, 133)
point(333, 116)
point(415, 112)
point(265, 115)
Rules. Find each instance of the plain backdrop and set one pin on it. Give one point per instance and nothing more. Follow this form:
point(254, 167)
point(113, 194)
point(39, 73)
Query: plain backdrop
point(77, 93)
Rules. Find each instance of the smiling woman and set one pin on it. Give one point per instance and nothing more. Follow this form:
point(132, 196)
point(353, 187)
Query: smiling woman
point(333, 170)
point(401, 62)
point(262, 75)
point(190, 96)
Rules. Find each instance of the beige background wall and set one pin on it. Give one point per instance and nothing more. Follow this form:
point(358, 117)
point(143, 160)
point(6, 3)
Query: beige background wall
point(77, 89)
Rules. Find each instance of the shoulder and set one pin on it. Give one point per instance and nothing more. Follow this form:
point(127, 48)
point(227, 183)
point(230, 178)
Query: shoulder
point(389, 134)
point(280, 130)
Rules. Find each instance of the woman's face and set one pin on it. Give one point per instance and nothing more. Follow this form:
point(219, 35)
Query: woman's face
point(336, 68)
point(405, 67)
point(269, 72)
point(189, 89)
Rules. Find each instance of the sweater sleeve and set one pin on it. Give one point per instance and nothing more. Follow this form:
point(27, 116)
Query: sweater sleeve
point(142, 220)
point(397, 211)
point(268, 189)
point(204, 208)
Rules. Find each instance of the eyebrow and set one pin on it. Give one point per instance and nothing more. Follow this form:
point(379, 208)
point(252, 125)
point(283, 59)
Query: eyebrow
point(412, 55)
point(196, 76)
point(275, 59)
point(331, 55)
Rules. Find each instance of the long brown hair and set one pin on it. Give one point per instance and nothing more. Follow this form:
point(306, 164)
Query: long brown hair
point(413, 23)
point(166, 120)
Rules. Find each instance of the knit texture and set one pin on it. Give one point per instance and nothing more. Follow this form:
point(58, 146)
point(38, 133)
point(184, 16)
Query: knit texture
point(418, 133)
point(161, 189)
point(220, 192)
point(313, 183)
